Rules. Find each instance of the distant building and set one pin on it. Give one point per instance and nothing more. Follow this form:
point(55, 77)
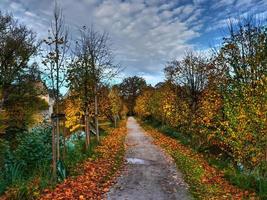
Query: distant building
point(50, 100)
point(47, 95)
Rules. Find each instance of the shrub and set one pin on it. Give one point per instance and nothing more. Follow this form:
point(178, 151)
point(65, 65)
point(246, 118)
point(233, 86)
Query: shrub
point(34, 148)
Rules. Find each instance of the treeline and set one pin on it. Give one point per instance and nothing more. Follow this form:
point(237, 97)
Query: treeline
point(50, 110)
point(219, 103)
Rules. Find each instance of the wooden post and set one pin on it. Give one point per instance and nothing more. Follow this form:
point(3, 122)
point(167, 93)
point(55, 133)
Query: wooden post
point(115, 121)
point(64, 139)
point(87, 129)
point(58, 135)
point(54, 174)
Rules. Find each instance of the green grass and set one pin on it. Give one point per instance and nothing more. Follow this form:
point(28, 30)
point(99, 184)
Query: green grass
point(20, 185)
point(248, 180)
point(183, 138)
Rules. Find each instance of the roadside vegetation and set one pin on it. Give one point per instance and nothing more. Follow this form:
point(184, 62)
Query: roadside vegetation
point(61, 120)
point(206, 181)
point(54, 113)
point(95, 175)
point(218, 105)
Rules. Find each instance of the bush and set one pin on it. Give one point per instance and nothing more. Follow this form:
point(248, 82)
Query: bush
point(34, 148)
point(5, 155)
point(256, 179)
point(30, 159)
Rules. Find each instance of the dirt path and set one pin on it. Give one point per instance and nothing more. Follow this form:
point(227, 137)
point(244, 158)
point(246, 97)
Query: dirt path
point(149, 173)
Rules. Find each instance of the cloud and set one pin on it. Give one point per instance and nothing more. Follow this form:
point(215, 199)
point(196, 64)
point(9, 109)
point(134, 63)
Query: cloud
point(145, 33)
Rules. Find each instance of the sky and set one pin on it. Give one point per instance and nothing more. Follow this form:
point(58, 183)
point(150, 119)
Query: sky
point(145, 34)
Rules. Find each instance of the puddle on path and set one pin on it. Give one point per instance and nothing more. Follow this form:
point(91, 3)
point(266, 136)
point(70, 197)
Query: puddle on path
point(137, 161)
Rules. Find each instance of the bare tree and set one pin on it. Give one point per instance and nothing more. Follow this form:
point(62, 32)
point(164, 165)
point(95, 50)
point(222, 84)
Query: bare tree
point(55, 62)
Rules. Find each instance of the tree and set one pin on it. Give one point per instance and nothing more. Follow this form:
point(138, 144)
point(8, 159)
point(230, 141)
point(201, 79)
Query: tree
point(24, 106)
point(116, 103)
point(92, 65)
point(81, 79)
point(243, 53)
point(192, 73)
point(17, 46)
point(74, 112)
point(20, 97)
point(130, 89)
point(142, 108)
point(55, 62)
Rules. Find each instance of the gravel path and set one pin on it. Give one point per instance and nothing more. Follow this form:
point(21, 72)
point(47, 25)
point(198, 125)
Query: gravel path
point(149, 173)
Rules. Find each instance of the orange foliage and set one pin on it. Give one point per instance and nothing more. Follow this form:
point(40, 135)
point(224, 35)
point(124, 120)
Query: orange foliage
point(210, 177)
point(97, 175)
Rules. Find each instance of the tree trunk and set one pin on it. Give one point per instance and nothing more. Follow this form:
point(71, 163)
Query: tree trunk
point(4, 96)
point(64, 140)
point(115, 121)
point(96, 116)
point(58, 135)
point(87, 130)
point(2, 104)
point(53, 152)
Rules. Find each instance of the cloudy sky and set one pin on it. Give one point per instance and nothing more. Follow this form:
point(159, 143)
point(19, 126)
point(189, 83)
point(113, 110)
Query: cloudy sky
point(145, 33)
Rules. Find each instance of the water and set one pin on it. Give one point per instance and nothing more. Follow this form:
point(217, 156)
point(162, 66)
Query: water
point(136, 161)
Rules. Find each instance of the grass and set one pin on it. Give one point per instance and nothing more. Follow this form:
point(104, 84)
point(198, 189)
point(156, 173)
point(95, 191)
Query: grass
point(96, 176)
point(19, 186)
point(206, 180)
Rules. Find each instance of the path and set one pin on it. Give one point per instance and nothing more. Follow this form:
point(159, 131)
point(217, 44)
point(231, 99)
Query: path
point(149, 174)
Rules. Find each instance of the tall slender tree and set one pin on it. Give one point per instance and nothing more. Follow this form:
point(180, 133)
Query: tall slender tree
point(116, 103)
point(55, 62)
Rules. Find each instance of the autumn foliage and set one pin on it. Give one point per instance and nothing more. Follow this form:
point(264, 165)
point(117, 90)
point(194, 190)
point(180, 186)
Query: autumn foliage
point(223, 106)
point(206, 181)
point(97, 174)
point(219, 103)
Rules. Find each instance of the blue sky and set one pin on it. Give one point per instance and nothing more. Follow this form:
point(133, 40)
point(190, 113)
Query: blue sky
point(145, 33)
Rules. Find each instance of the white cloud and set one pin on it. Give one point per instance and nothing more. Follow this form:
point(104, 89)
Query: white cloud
point(145, 33)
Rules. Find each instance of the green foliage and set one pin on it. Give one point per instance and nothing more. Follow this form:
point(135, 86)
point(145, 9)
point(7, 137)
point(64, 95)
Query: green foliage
point(130, 88)
point(243, 127)
point(4, 153)
point(26, 171)
point(23, 107)
point(193, 173)
point(34, 148)
point(30, 159)
point(255, 179)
